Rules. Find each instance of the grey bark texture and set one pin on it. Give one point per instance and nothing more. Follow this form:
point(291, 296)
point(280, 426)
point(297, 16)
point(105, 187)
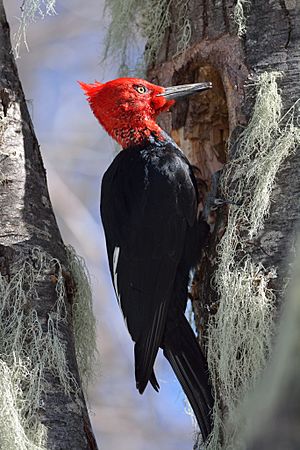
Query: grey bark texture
point(216, 53)
point(27, 222)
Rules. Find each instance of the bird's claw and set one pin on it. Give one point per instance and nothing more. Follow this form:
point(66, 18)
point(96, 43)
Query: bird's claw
point(218, 202)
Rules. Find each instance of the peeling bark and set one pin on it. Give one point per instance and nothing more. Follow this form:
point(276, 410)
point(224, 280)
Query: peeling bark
point(26, 222)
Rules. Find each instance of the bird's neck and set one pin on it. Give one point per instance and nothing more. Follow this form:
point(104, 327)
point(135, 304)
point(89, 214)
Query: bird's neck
point(128, 135)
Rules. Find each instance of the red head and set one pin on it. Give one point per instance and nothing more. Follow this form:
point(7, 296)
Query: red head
point(128, 107)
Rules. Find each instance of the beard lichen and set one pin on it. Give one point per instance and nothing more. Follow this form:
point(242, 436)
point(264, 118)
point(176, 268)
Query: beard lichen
point(240, 333)
point(30, 11)
point(149, 19)
point(239, 16)
point(29, 349)
point(32, 348)
point(83, 318)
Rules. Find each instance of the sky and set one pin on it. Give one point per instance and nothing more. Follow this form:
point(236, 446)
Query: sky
point(63, 49)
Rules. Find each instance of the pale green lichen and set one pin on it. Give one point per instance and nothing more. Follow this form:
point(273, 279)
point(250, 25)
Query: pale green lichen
point(240, 333)
point(149, 19)
point(183, 27)
point(30, 348)
point(239, 15)
point(30, 11)
point(83, 317)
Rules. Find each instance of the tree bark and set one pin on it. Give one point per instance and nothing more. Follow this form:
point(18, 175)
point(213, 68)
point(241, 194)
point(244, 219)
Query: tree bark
point(28, 226)
point(279, 429)
point(203, 125)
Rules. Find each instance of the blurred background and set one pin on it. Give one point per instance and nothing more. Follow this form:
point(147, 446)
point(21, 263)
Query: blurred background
point(64, 48)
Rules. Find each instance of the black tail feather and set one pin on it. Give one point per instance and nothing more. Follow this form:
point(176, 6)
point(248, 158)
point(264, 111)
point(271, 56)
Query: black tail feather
point(145, 351)
point(154, 382)
point(188, 362)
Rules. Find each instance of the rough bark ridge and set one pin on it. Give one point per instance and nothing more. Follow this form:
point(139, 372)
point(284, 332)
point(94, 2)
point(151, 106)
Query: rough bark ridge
point(27, 222)
point(201, 126)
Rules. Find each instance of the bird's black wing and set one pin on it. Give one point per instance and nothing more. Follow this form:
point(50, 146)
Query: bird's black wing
point(148, 202)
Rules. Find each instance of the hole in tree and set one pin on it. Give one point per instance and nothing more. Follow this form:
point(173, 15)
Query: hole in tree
point(200, 124)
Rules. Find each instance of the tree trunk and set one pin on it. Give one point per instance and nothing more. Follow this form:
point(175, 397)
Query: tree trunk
point(249, 122)
point(42, 403)
point(276, 409)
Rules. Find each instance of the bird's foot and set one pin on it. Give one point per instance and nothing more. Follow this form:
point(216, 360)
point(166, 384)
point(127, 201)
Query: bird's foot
point(219, 202)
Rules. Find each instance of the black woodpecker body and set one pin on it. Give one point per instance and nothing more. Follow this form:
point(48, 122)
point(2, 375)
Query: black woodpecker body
point(149, 203)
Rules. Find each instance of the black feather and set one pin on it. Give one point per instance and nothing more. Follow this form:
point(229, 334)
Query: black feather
point(188, 362)
point(149, 213)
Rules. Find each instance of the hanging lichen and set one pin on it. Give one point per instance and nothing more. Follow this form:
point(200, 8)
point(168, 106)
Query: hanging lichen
point(240, 16)
point(183, 27)
point(240, 333)
point(30, 11)
point(149, 19)
point(83, 317)
point(31, 348)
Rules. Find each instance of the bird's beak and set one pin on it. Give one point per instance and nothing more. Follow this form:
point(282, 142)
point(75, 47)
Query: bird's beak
point(175, 92)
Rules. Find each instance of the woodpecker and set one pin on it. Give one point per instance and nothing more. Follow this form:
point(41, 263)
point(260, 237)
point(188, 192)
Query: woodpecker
point(149, 203)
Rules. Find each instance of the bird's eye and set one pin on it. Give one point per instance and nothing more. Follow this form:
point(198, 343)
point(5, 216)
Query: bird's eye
point(141, 89)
